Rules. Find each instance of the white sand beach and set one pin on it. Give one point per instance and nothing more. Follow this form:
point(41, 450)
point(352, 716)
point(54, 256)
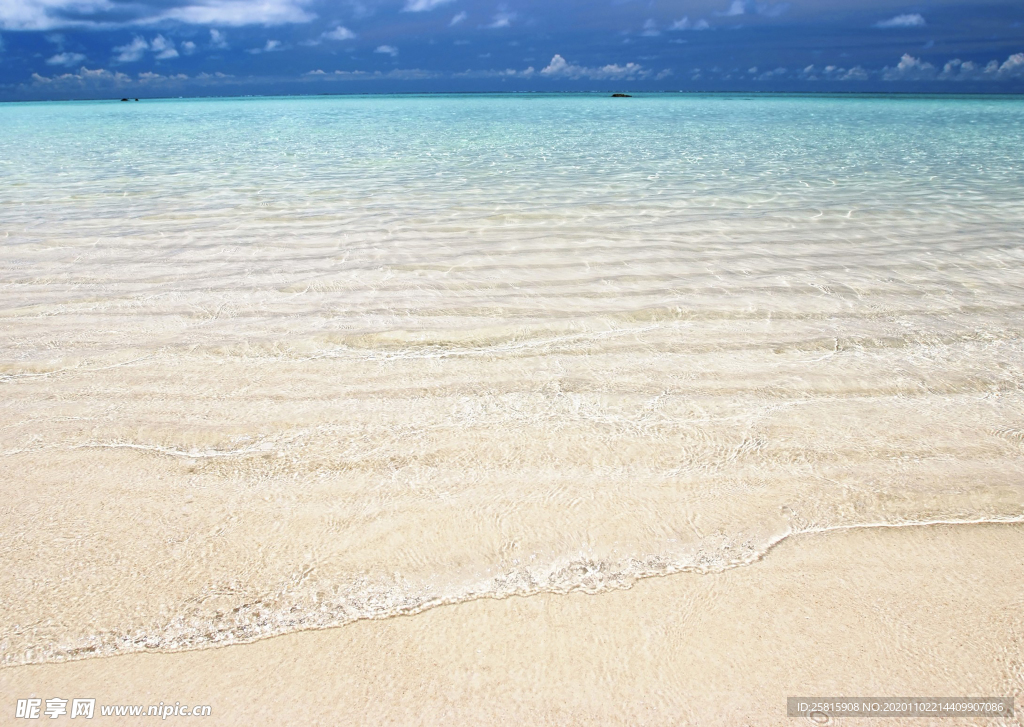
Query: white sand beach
point(929, 611)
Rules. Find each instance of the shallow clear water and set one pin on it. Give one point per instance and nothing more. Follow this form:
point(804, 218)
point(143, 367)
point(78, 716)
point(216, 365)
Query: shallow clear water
point(272, 364)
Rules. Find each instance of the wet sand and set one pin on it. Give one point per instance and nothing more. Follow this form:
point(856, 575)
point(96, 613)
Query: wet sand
point(914, 611)
point(511, 411)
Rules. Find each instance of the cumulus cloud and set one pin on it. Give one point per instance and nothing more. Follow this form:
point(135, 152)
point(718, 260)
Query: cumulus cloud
point(834, 73)
point(772, 11)
point(339, 33)
point(685, 24)
point(65, 59)
point(651, 28)
point(507, 73)
point(85, 78)
point(776, 73)
point(133, 51)
point(269, 47)
point(188, 47)
point(501, 20)
point(561, 68)
point(388, 49)
point(958, 70)
point(400, 74)
point(48, 14)
point(150, 77)
point(1013, 66)
point(239, 12)
point(163, 48)
point(907, 20)
point(909, 69)
point(458, 18)
point(750, 7)
point(100, 79)
point(915, 69)
point(218, 39)
point(737, 7)
point(420, 6)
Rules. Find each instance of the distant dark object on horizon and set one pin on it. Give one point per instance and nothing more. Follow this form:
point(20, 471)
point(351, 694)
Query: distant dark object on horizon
point(126, 99)
point(621, 95)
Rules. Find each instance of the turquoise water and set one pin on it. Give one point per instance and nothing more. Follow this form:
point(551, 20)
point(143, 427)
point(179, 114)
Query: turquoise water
point(284, 363)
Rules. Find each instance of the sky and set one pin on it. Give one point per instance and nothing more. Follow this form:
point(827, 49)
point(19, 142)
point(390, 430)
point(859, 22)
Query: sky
point(58, 49)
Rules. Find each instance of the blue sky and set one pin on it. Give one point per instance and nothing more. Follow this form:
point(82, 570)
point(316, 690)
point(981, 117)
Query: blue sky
point(104, 48)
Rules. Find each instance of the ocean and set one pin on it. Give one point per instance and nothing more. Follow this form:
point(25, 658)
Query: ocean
point(274, 364)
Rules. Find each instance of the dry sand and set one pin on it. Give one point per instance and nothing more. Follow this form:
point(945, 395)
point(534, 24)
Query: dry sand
point(925, 611)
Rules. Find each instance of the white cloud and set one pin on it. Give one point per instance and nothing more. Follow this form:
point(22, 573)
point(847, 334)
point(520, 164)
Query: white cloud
point(501, 20)
point(65, 59)
point(102, 79)
point(407, 74)
point(834, 73)
point(133, 51)
point(957, 70)
point(458, 18)
point(651, 28)
point(507, 73)
point(745, 7)
point(560, 68)
point(269, 47)
point(907, 20)
point(47, 14)
point(1013, 67)
point(854, 74)
point(771, 75)
point(218, 39)
point(239, 12)
point(163, 48)
point(149, 77)
point(85, 78)
point(188, 47)
point(737, 7)
point(339, 33)
point(685, 24)
point(772, 11)
point(419, 6)
point(389, 49)
point(909, 69)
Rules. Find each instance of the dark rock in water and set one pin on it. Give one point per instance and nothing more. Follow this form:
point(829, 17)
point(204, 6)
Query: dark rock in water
point(124, 99)
point(136, 99)
point(621, 95)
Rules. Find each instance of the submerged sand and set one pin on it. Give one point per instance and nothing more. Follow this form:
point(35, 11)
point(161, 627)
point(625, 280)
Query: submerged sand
point(296, 400)
point(925, 611)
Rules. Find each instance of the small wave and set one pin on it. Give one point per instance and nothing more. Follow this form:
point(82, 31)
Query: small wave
point(367, 600)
